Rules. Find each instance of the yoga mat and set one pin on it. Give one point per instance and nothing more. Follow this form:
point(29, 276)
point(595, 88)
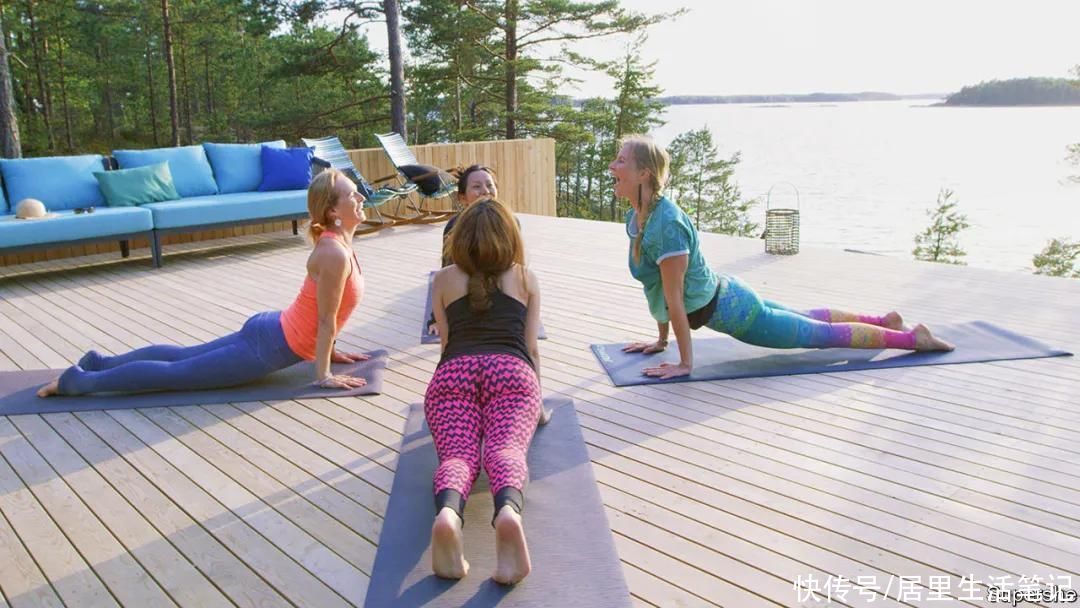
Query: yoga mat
point(426, 338)
point(724, 357)
point(18, 390)
point(574, 562)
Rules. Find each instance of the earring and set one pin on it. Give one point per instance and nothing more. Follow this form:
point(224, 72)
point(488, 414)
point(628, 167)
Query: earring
point(337, 222)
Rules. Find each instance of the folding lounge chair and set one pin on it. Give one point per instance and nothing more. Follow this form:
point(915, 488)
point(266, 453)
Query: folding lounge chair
point(332, 153)
point(400, 155)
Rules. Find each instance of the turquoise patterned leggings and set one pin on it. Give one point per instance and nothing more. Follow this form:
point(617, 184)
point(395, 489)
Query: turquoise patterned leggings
point(744, 315)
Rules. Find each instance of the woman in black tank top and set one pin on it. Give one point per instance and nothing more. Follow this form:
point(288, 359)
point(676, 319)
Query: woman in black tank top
point(484, 398)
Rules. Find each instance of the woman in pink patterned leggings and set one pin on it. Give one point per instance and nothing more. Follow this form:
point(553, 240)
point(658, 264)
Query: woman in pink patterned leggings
point(485, 395)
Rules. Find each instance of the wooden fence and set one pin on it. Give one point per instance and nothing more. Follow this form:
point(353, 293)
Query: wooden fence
point(525, 171)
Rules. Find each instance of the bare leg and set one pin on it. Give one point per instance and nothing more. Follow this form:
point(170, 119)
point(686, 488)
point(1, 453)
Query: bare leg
point(448, 546)
point(511, 551)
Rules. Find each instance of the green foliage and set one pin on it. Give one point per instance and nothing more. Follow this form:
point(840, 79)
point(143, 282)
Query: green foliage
point(940, 241)
point(1058, 259)
point(1018, 92)
point(246, 70)
point(703, 184)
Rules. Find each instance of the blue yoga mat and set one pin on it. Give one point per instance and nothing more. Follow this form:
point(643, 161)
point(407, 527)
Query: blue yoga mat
point(18, 390)
point(574, 562)
point(724, 358)
point(426, 338)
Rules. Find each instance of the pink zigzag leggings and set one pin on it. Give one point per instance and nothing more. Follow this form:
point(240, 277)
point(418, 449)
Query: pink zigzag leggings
point(488, 400)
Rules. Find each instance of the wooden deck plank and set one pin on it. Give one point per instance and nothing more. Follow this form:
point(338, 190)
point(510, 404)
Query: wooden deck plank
point(719, 493)
point(170, 570)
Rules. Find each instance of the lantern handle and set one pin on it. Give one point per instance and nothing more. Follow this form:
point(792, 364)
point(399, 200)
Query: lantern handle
point(768, 196)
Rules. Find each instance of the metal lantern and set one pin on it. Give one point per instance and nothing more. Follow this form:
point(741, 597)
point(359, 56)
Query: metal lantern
point(781, 226)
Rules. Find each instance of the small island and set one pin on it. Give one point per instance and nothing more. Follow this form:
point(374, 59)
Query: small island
point(1019, 92)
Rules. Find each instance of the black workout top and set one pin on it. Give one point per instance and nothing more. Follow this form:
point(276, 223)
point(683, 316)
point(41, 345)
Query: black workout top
point(499, 330)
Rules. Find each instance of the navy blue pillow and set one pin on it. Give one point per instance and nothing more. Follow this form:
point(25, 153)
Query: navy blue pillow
point(286, 168)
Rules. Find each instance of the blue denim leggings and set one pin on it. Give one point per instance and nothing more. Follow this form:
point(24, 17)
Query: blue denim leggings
point(258, 349)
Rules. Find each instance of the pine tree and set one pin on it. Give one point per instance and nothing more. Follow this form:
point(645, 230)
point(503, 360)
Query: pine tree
point(704, 185)
point(940, 241)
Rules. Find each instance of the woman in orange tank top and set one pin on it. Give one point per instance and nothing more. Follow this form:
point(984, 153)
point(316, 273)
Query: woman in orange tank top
point(268, 341)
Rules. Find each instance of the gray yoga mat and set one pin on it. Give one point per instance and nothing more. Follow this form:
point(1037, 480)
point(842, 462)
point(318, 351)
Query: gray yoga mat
point(725, 358)
point(426, 338)
point(574, 562)
point(18, 390)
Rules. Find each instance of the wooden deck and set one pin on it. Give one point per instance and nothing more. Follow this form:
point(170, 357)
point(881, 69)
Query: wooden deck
point(720, 493)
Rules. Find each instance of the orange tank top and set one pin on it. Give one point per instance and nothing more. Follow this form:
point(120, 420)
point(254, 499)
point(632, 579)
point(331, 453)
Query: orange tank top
point(300, 321)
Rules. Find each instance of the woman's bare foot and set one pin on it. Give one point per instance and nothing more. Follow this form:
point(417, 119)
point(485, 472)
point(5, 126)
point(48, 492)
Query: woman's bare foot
point(49, 389)
point(545, 416)
point(924, 340)
point(893, 320)
point(511, 553)
point(448, 546)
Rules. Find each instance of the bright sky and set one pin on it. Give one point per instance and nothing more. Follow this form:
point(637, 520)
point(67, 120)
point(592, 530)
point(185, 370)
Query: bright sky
point(723, 47)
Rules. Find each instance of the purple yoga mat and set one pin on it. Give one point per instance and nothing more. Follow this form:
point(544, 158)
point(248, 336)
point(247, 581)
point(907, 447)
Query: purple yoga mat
point(574, 561)
point(18, 390)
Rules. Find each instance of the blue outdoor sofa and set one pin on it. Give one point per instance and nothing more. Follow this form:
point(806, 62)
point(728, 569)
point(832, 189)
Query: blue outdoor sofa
point(217, 183)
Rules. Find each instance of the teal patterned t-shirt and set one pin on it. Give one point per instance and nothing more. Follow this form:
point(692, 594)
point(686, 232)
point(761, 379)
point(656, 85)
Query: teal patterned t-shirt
point(669, 232)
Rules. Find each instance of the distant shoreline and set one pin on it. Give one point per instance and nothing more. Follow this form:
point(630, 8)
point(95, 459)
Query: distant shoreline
point(674, 100)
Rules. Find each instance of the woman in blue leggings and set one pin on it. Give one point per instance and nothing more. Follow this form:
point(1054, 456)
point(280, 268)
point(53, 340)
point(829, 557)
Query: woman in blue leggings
point(268, 341)
point(683, 292)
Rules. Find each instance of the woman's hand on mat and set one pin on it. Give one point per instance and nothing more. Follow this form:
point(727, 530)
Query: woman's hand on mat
point(646, 347)
point(667, 370)
point(433, 329)
point(341, 381)
point(344, 357)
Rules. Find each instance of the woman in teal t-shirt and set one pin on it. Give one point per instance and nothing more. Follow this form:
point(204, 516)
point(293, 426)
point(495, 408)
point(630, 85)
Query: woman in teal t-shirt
point(682, 291)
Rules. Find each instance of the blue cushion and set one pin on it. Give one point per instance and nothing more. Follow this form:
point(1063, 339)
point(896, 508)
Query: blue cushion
point(190, 170)
point(68, 226)
point(288, 169)
point(238, 167)
point(61, 182)
point(238, 206)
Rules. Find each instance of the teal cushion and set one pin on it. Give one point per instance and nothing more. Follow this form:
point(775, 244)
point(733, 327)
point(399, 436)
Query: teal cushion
point(68, 226)
point(190, 170)
point(235, 207)
point(61, 182)
point(238, 167)
point(131, 187)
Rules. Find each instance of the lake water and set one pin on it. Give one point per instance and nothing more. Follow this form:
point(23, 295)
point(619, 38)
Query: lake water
point(867, 172)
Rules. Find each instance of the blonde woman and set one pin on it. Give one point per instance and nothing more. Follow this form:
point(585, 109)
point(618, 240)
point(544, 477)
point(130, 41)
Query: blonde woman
point(268, 341)
point(684, 293)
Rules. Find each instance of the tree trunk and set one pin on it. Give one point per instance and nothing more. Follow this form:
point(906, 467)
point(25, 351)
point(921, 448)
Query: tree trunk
point(102, 54)
point(511, 68)
point(39, 69)
point(10, 145)
point(63, 96)
point(186, 83)
point(174, 115)
point(397, 67)
point(209, 85)
point(150, 90)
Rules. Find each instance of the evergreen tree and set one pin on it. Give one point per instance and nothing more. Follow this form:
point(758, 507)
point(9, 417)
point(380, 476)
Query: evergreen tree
point(940, 241)
point(704, 185)
point(1058, 259)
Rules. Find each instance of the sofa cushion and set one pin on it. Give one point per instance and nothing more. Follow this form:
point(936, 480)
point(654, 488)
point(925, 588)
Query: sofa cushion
point(3, 197)
point(190, 170)
point(238, 167)
point(61, 182)
point(132, 187)
point(238, 206)
point(68, 226)
point(288, 169)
